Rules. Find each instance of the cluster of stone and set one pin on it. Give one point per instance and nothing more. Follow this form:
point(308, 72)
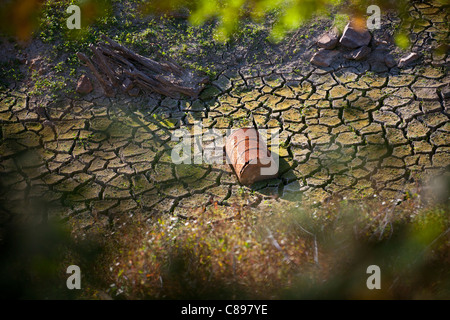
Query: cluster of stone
point(356, 43)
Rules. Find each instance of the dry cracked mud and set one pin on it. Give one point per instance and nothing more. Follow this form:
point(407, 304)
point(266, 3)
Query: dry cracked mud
point(349, 129)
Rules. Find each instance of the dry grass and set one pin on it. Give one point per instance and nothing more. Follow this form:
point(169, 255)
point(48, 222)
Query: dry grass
point(279, 252)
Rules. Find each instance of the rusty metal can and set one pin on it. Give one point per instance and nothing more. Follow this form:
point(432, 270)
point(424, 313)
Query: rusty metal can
point(248, 155)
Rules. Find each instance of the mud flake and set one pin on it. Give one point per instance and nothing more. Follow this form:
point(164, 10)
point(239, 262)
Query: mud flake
point(351, 114)
point(105, 175)
point(115, 193)
point(305, 169)
point(434, 120)
point(416, 130)
point(72, 168)
point(97, 164)
point(401, 80)
point(395, 136)
point(441, 159)
point(372, 152)
point(440, 138)
point(375, 138)
point(388, 174)
point(387, 118)
point(409, 111)
point(426, 93)
point(402, 151)
point(422, 147)
point(99, 124)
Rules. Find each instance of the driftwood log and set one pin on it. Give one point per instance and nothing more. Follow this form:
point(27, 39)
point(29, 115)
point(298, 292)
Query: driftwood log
point(248, 154)
point(117, 67)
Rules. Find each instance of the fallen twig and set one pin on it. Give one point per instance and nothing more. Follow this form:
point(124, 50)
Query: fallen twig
point(114, 65)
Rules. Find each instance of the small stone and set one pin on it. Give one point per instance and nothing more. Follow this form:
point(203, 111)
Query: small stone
point(390, 61)
point(408, 59)
point(323, 58)
point(328, 41)
point(36, 65)
point(354, 38)
point(127, 84)
point(380, 44)
point(84, 85)
point(445, 91)
point(378, 67)
point(134, 92)
point(358, 54)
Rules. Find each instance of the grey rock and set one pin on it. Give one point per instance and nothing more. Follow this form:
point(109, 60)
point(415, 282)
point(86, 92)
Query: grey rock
point(353, 38)
point(328, 41)
point(127, 84)
point(134, 92)
point(383, 43)
point(445, 91)
point(404, 61)
point(84, 85)
point(390, 61)
point(323, 57)
point(378, 67)
point(378, 55)
point(358, 54)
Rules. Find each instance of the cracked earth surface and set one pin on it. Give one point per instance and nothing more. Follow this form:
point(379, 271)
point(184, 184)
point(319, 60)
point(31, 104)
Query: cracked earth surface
point(350, 129)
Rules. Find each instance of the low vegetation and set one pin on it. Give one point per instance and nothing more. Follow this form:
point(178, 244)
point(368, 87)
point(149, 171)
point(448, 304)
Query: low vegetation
point(278, 252)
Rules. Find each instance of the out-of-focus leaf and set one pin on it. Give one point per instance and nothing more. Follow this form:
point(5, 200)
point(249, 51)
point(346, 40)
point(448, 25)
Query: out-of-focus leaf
point(402, 40)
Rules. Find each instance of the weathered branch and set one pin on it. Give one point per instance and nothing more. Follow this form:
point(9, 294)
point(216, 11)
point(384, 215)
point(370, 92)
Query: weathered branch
point(106, 86)
point(103, 65)
point(116, 66)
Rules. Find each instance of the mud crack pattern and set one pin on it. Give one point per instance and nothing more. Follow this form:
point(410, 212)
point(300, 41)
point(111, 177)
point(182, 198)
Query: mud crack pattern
point(348, 129)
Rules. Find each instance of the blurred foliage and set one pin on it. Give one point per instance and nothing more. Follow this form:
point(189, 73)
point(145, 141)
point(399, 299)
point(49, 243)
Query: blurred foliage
point(286, 252)
point(21, 17)
point(36, 250)
point(34, 258)
point(52, 23)
point(287, 15)
point(402, 40)
point(340, 21)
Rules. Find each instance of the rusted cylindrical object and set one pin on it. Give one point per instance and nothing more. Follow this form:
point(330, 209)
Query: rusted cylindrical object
point(248, 155)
